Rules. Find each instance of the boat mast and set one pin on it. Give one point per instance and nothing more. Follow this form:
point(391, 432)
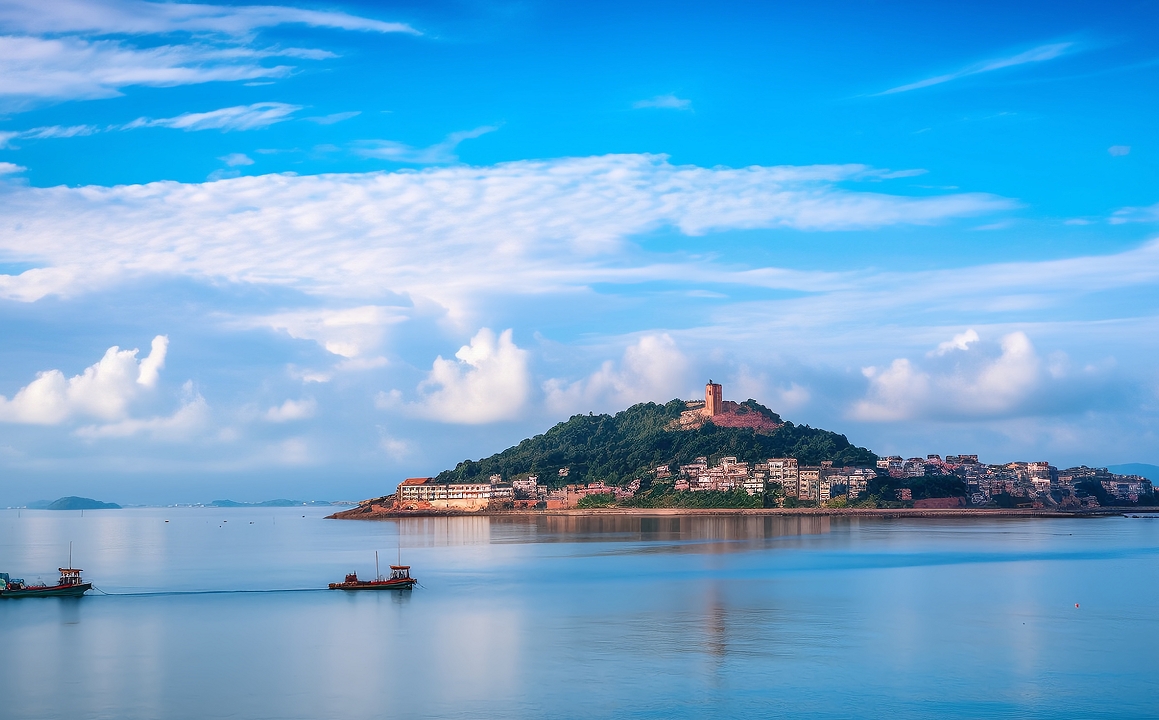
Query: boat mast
point(377, 574)
point(70, 554)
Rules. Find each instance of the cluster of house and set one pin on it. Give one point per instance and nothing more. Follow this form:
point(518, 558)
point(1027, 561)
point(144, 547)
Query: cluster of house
point(1032, 483)
point(805, 482)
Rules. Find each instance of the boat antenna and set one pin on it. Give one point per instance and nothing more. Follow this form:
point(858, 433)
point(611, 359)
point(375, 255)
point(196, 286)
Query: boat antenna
point(377, 574)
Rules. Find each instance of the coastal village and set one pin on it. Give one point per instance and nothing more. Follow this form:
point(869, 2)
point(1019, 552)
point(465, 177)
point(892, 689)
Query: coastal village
point(784, 482)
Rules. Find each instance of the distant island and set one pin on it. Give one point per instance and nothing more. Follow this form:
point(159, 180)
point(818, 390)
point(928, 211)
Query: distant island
point(717, 454)
point(73, 502)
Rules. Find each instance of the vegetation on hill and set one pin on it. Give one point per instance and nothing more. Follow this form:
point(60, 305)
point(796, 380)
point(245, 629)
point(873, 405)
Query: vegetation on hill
point(618, 448)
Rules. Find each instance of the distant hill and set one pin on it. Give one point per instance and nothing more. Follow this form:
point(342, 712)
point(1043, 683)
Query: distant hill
point(617, 448)
point(73, 502)
point(1151, 472)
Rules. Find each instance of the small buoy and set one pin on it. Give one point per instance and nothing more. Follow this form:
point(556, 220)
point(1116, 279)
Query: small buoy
point(166, 521)
point(1076, 604)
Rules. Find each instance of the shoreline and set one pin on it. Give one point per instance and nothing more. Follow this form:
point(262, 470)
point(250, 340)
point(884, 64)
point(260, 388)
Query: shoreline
point(885, 513)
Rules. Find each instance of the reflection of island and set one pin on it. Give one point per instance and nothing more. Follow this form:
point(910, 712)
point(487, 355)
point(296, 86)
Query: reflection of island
point(72, 502)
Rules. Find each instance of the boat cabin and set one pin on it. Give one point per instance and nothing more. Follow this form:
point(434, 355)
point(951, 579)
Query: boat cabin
point(69, 576)
point(400, 572)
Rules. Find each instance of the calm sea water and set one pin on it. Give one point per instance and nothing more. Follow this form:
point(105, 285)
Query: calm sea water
point(582, 617)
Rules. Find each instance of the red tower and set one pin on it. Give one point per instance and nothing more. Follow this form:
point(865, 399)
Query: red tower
point(713, 398)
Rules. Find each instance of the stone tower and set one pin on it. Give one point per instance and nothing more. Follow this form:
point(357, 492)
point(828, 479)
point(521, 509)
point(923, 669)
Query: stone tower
point(713, 398)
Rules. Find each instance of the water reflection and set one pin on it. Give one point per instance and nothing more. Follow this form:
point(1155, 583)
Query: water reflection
point(722, 529)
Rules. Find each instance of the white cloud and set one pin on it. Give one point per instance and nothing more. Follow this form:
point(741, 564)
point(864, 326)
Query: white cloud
point(1038, 54)
point(445, 235)
point(334, 117)
point(437, 154)
point(236, 159)
point(984, 388)
point(1119, 150)
point(1136, 214)
point(239, 117)
point(653, 369)
point(664, 102)
point(60, 68)
point(59, 131)
point(103, 390)
point(137, 17)
point(489, 381)
point(958, 342)
point(187, 422)
point(350, 333)
point(7, 168)
point(292, 410)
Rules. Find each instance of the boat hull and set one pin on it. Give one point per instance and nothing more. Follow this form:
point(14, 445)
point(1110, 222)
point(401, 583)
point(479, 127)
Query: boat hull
point(54, 591)
point(371, 585)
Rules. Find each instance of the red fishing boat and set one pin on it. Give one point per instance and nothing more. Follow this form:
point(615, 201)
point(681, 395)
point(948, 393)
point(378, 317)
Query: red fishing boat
point(399, 579)
point(70, 584)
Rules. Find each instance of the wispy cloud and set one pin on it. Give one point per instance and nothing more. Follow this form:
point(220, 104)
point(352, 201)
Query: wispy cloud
point(664, 102)
point(1119, 150)
point(438, 154)
point(72, 68)
point(1136, 214)
point(7, 168)
point(334, 117)
point(236, 159)
point(526, 227)
point(239, 117)
point(137, 17)
point(1041, 53)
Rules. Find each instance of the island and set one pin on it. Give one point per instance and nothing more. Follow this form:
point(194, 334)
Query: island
point(73, 502)
point(718, 455)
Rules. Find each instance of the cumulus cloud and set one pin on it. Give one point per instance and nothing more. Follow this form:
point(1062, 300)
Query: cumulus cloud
point(139, 17)
point(488, 381)
point(239, 117)
point(62, 68)
point(1041, 53)
point(985, 387)
point(103, 390)
point(443, 234)
point(438, 154)
point(651, 369)
point(664, 102)
point(7, 168)
point(292, 410)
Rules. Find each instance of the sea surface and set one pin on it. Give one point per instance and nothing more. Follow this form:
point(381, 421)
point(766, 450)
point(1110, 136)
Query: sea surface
point(216, 613)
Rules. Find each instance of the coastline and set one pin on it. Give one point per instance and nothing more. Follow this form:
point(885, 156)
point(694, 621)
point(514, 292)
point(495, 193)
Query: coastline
point(362, 513)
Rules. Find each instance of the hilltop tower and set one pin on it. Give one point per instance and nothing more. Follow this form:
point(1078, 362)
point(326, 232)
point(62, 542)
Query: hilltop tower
point(713, 398)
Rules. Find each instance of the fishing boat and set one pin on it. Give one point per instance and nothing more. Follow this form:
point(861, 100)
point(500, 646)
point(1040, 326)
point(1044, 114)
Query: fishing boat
point(399, 579)
point(70, 585)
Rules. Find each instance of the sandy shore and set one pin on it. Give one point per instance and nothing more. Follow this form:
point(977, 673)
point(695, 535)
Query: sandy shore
point(361, 513)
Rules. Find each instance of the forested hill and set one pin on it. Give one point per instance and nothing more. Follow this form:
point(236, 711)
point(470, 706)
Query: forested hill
point(617, 448)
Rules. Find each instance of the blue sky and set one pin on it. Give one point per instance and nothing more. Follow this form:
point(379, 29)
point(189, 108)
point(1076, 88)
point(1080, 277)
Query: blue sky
point(354, 242)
